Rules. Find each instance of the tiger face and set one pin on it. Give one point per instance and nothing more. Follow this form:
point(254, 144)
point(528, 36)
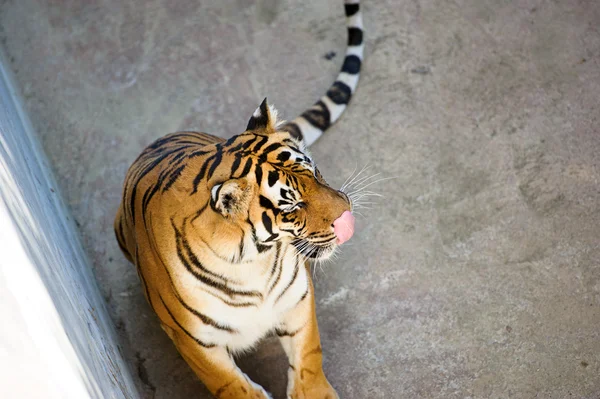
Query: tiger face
point(286, 199)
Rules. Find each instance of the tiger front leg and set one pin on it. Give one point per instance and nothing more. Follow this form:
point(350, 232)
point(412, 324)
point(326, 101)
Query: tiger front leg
point(299, 336)
point(216, 369)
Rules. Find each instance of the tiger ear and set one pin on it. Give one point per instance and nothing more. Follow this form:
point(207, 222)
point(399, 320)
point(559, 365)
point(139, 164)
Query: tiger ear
point(231, 197)
point(264, 118)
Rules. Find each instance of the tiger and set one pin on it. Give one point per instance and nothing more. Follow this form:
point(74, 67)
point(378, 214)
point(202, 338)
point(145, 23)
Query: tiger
point(221, 233)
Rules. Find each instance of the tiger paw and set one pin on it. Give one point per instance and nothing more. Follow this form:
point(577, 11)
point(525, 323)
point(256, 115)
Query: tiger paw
point(259, 391)
point(250, 391)
point(308, 392)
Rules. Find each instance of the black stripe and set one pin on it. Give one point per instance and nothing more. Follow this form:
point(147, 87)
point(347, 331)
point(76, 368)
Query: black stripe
point(296, 268)
point(287, 217)
point(181, 243)
point(235, 304)
point(146, 291)
point(230, 141)
point(236, 148)
point(303, 225)
point(259, 247)
point(203, 344)
point(321, 242)
point(272, 237)
point(139, 271)
point(188, 142)
point(145, 170)
point(267, 223)
point(320, 235)
point(241, 248)
point(204, 318)
point(119, 232)
point(215, 253)
point(217, 156)
point(218, 159)
point(124, 197)
point(263, 141)
point(177, 158)
point(291, 180)
point(201, 173)
point(318, 116)
point(283, 156)
point(273, 177)
point(198, 153)
point(174, 176)
point(266, 203)
point(248, 143)
point(198, 213)
point(123, 249)
point(274, 267)
point(351, 64)
point(242, 144)
point(284, 333)
point(149, 193)
point(259, 174)
point(351, 9)
point(271, 148)
point(195, 135)
point(303, 295)
point(159, 142)
point(339, 93)
point(278, 262)
point(236, 165)
point(246, 169)
point(295, 148)
point(355, 36)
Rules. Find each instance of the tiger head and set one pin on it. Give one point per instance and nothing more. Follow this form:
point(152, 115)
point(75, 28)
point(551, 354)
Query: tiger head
point(280, 193)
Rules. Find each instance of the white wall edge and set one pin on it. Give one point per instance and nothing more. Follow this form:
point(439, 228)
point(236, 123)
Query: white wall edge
point(56, 339)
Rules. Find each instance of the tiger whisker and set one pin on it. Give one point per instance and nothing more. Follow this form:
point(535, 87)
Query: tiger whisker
point(348, 178)
point(363, 206)
point(368, 192)
point(364, 200)
point(358, 197)
point(376, 181)
point(352, 181)
point(363, 179)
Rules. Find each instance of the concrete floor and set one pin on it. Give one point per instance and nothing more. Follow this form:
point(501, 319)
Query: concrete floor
point(477, 275)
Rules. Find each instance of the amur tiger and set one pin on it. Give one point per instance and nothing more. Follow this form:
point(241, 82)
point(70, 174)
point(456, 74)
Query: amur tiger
point(220, 232)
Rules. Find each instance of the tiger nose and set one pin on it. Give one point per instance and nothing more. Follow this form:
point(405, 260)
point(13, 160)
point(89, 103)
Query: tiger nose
point(343, 227)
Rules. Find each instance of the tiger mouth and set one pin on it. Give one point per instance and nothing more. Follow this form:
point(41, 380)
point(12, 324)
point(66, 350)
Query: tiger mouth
point(315, 251)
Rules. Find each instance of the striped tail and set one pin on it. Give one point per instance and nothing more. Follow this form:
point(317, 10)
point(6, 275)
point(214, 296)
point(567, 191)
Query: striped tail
point(325, 112)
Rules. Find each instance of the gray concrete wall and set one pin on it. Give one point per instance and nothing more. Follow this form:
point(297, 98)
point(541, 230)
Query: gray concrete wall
point(56, 340)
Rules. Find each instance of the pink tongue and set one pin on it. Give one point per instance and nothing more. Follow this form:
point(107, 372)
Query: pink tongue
point(343, 227)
